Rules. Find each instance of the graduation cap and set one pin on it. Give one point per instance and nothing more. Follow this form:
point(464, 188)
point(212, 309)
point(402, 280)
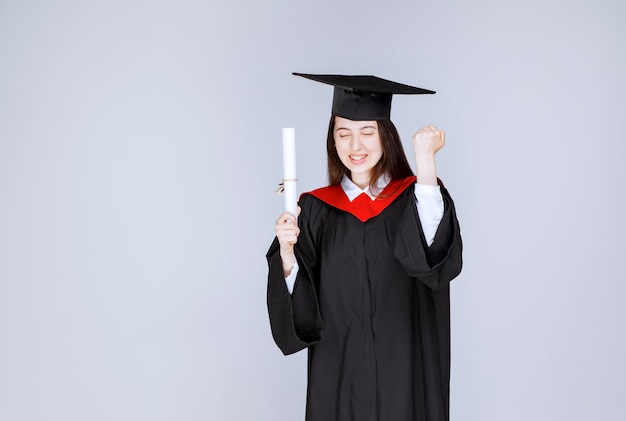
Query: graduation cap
point(363, 97)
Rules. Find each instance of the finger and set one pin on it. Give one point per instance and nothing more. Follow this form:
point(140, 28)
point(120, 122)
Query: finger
point(292, 239)
point(442, 134)
point(291, 218)
point(287, 239)
point(427, 129)
point(287, 235)
point(288, 229)
point(282, 231)
point(286, 217)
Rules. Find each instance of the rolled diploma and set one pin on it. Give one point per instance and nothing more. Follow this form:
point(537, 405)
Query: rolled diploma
point(289, 170)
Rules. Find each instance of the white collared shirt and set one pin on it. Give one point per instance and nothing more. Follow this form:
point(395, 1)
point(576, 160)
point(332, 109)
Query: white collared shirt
point(429, 208)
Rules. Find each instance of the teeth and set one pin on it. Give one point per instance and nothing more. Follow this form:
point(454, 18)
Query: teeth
point(357, 157)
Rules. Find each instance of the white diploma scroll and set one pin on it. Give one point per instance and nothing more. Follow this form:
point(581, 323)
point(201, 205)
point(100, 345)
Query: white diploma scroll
point(289, 171)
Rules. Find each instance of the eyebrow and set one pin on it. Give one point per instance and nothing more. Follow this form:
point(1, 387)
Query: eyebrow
point(360, 128)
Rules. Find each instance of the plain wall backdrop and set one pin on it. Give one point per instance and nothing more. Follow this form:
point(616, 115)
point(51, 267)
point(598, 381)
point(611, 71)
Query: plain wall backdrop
point(139, 151)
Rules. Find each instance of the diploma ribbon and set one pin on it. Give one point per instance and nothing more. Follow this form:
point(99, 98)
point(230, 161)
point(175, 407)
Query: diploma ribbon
point(281, 185)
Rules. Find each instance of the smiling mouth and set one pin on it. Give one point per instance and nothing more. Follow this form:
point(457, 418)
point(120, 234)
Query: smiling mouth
point(357, 158)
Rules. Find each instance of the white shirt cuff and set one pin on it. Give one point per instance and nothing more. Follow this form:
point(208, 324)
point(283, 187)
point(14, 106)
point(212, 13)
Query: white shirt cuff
point(430, 209)
point(291, 279)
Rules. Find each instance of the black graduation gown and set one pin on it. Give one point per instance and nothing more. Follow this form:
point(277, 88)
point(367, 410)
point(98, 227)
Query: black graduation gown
point(371, 303)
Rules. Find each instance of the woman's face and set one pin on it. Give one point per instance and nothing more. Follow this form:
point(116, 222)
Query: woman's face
point(359, 148)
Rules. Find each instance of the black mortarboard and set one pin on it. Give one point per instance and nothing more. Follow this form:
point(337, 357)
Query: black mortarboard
point(363, 97)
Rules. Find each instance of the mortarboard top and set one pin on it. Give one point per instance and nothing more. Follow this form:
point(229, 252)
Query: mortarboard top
point(363, 97)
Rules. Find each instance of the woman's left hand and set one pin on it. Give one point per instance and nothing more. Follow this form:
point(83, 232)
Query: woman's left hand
point(427, 141)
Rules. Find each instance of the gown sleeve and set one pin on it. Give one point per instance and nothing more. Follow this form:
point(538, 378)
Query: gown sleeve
point(438, 264)
point(295, 318)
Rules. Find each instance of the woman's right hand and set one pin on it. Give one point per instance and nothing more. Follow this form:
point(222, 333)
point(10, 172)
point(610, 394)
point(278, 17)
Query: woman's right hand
point(287, 232)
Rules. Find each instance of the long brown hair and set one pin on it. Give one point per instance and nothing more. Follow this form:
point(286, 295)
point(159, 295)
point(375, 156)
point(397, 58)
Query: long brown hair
point(393, 162)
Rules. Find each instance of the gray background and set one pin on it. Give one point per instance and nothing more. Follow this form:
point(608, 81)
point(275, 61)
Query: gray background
point(139, 151)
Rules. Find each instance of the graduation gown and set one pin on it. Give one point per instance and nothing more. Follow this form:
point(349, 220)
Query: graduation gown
point(371, 302)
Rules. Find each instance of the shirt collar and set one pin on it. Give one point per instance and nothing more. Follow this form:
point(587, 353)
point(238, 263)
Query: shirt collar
point(353, 191)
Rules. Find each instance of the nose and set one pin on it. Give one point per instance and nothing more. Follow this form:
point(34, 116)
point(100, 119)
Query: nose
point(355, 142)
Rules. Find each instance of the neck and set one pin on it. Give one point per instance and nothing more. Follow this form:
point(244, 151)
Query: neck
point(361, 180)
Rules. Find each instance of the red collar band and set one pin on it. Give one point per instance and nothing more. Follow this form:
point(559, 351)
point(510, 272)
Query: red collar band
point(362, 207)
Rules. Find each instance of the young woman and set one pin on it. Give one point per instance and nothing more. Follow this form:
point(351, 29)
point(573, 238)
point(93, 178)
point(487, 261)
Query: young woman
point(362, 278)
